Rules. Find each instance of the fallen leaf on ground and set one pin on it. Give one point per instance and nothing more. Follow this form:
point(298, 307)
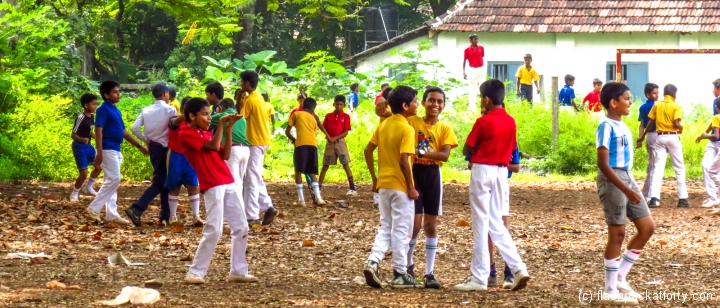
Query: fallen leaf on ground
point(177, 228)
point(37, 260)
point(308, 243)
point(198, 230)
point(113, 225)
point(97, 236)
point(280, 215)
point(84, 228)
point(462, 223)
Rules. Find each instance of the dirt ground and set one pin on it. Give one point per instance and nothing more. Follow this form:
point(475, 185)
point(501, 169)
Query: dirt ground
point(558, 227)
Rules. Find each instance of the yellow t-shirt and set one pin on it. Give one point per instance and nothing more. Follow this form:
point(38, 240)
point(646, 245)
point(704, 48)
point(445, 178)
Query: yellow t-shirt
point(270, 110)
point(393, 137)
point(255, 112)
point(715, 121)
point(175, 104)
point(527, 77)
point(664, 113)
point(306, 128)
point(431, 138)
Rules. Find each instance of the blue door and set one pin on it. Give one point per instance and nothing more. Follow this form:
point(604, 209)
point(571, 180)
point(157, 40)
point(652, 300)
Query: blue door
point(635, 76)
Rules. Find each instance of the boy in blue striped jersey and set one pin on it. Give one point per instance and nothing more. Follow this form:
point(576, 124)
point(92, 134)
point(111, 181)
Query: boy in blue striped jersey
point(619, 195)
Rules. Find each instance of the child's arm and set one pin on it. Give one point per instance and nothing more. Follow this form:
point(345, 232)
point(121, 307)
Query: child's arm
point(645, 131)
point(135, 143)
point(175, 121)
point(407, 173)
point(518, 86)
point(442, 156)
point(287, 133)
point(370, 162)
point(98, 146)
point(640, 133)
point(228, 137)
point(602, 162)
point(714, 137)
point(135, 128)
point(216, 118)
point(322, 128)
point(79, 139)
point(272, 119)
point(514, 168)
point(676, 124)
point(341, 136)
point(467, 150)
point(215, 143)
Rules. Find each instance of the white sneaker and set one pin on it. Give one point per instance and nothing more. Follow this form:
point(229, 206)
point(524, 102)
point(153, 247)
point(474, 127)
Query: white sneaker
point(299, 203)
point(193, 279)
point(320, 202)
point(74, 197)
point(376, 200)
point(243, 279)
point(89, 213)
point(617, 299)
point(173, 219)
point(521, 279)
point(197, 221)
point(624, 288)
point(121, 221)
point(709, 203)
point(470, 285)
point(351, 193)
point(89, 191)
point(715, 212)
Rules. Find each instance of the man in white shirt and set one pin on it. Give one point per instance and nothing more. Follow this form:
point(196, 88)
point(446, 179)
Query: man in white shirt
point(155, 119)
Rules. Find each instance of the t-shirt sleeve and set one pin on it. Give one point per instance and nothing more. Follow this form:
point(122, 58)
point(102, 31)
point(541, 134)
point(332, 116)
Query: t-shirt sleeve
point(407, 143)
point(465, 55)
point(472, 138)
point(677, 112)
point(374, 138)
point(189, 139)
point(79, 121)
point(291, 119)
point(602, 138)
point(572, 93)
point(482, 51)
point(652, 113)
point(448, 137)
point(715, 122)
point(347, 123)
point(100, 117)
point(515, 158)
point(535, 75)
point(519, 72)
point(247, 107)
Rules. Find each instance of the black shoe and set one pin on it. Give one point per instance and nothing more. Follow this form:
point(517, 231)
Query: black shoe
point(401, 281)
point(431, 282)
point(653, 203)
point(411, 271)
point(269, 216)
point(372, 274)
point(492, 282)
point(683, 203)
point(134, 217)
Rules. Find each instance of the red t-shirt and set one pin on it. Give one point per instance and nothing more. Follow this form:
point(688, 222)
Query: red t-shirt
point(299, 108)
point(475, 56)
point(493, 138)
point(378, 97)
point(210, 167)
point(336, 124)
point(593, 99)
point(174, 137)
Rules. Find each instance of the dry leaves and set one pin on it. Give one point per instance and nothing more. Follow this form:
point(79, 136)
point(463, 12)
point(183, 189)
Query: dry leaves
point(308, 243)
point(60, 286)
point(462, 223)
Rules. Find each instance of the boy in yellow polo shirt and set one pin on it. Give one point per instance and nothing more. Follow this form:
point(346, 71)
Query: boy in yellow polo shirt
point(254, 110)
point(305, 156)
point(665, 116)
point(395, 141)
point(526, 75)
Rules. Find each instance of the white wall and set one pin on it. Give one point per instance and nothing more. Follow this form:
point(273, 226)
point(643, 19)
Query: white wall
point(583, 55)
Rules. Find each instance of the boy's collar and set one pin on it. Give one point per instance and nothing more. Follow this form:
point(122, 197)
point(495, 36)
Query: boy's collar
point(669, 98)
point(109, 102)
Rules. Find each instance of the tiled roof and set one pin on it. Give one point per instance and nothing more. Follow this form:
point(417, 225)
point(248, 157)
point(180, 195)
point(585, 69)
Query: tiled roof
point(580, 16)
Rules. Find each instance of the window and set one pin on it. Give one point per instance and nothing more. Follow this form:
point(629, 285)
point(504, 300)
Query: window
point(504, 71)
point(611, 76)
point(634, 75)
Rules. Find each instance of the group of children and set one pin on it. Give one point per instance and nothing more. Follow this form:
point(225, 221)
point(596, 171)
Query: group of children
point(566, 97)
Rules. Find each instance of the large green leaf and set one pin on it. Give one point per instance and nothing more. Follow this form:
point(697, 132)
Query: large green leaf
point(261, 57)
point(278, 68)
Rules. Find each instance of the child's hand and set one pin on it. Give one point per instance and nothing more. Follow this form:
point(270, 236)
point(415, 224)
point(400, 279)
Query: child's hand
point(701, 137)
point(413, 194)
point(226, 118)
point(632, 196)
point(144, 150)
point(87, 140)
point(638, 144)
point(233, 118)
point(98, 159)
point(469, 166)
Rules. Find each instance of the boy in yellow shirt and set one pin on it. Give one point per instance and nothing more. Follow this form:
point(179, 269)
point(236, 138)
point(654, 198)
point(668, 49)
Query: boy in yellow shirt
point(711, 160)
point(395, 141)
point(305, 156)
point(526, 75)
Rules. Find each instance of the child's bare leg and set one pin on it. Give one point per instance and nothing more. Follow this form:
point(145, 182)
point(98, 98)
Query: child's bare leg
point(431, 241)
point(96, 172)
point(645, 227)
point(616, 235)
point(417, 226)
point(82, 176)
point(322, 174)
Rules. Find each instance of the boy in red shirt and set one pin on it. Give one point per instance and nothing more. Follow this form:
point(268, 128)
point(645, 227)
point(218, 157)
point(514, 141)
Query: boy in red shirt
point(337, 125)
point(222, 196)
point(490, 145)
point(593, 98)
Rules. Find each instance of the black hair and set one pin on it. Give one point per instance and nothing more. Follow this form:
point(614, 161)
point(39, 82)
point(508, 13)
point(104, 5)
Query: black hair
point(354, 86)
point(193, 106)
point(399, 96)
point(716, 83)
point(612, 91)
point(527, 55)
point(649, 87)
point(309, 104)
point(251, 77)
point(384, 85)
point(670, 89)
point(431, 89)
point(339, 98)
point(472, 36)
point(597, 81)
point(184, 101)
point(217, 89)
point(265, 97)
point(300, 96)
point(87, 98)
point(172, 91)
point(386, 93)
point(227, 103)
point(494, 90)
point(107, 86)
point(569, 78)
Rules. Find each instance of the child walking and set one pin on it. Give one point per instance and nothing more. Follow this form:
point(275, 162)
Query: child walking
point(526, 75)
point(435, 139)
point(337, 125)
point(711, 160)
point(490, 145)
point(395, 141)
point(222, 196)
point(620, 196)
point(240, 153)
point(567, 94)
point(354, 99)
point(109, 134)
point(651, 93)
point(82, 149)
point(593, 98)
point(305, 156)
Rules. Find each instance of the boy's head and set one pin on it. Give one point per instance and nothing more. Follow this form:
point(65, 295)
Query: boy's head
point(309, 105)
point(173, 92)
point(214, 92)
point(433, 101)
point(569, 80)
point(197, 113)
point(110, 91)
point(403, 100)
point(249, 80)
point(716, 87)
point(527, 59)
point(226, 104)
point(266, 98)
point(492, 93)
point(615, 97)
point(339, 103)
point(300, 98)
point(355, 87)
point(386, 93)
point(384, 86)
point(670, 89)
point(651, 91)
point(473, 40)
point(160, 91)
point(183, 102)
point(89, 102)
point(597, 84)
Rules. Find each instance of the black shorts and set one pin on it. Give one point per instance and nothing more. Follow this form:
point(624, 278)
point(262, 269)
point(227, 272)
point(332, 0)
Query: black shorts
point(429, 186)
point(305, 158)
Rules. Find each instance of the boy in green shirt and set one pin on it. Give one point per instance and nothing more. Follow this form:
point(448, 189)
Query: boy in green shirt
point(240, 153)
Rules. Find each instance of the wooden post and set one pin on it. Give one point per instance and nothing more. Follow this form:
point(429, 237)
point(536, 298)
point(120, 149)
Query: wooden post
point(542, 88)
point(555, 113)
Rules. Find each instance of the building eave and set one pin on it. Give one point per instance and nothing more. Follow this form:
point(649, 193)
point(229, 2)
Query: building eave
point(394, 42)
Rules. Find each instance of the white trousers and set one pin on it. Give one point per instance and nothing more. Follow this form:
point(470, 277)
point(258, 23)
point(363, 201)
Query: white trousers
point(668, 144)
point(237, 163)
point(255, 193)
point(474, 78)
point(650, 143)
point(487, 190)
point(222, 201)
point(397, 214)
point(107, 195)
point(711, 169)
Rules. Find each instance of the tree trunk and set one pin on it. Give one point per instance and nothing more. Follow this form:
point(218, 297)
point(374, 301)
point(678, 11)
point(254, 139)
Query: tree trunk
point(440, 7)
point(243, 37)
point(118, 29)
point(261, 6)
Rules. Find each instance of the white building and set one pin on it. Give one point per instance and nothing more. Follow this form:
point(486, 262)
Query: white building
point(578, 37)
